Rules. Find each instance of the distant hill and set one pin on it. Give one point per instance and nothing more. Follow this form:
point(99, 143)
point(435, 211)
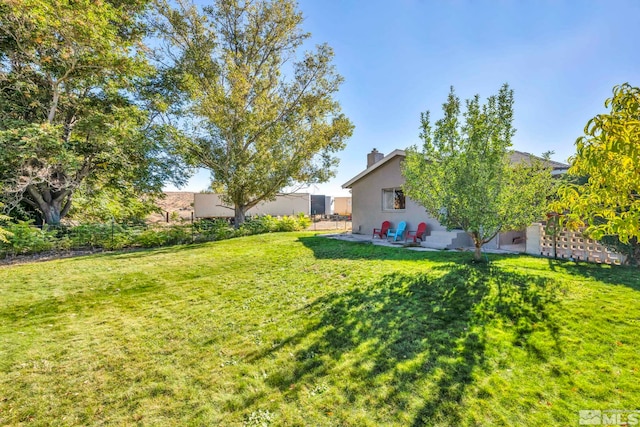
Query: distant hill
point(180, 202)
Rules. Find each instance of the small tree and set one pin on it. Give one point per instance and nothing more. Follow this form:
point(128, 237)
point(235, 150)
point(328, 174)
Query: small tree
point(264, 120)
point(608, 204)
point(463, 175)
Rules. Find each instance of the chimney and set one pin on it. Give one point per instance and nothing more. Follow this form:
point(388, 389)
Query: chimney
point(374, 157)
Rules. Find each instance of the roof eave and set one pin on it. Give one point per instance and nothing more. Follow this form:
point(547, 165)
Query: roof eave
point(373, 167)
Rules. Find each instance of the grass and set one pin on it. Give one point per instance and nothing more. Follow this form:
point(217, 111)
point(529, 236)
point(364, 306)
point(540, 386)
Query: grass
point(294, 329)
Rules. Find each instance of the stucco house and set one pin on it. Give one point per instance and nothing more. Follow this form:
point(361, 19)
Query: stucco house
point(377, 196)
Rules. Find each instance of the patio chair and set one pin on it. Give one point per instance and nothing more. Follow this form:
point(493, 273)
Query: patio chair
point(398, 232)
point(418, 234)
point(382, 231)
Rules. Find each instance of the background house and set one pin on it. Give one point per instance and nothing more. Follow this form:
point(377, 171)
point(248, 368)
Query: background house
point(342, 205)
point(210, 205)
point(377, 196)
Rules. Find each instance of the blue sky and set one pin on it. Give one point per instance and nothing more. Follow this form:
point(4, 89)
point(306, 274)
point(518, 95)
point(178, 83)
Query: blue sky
point(399, 58)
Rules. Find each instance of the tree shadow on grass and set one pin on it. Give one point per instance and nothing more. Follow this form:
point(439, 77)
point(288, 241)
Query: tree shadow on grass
point(409, 344)
point(327, 248)
point(611, 274)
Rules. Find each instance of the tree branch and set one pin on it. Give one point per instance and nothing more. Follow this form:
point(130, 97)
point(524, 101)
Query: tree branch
point(67, 206)
point(38, 199)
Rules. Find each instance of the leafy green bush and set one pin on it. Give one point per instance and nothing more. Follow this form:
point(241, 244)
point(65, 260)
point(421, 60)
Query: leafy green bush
point(164, 236)
point(26, 239)
point(207, 230)
point(178, 234)
point(303, 221)
point(268, 224)
point(63, 243)
point(4, 233)
point(287, 223)
point(149, 239)
point(293, 223)
point(107, 236)
point(259, 224)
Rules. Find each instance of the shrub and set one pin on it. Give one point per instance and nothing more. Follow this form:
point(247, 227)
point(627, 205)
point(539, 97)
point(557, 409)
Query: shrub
point(269, 224)
point(207, 230)
point(303, 221)
point(173, 235)
point(26, 239)
point(287, 223)
point(291, 223)
point(4, 233)
point(63, 243)
point(259, 224)
point(178, 234)
point(148, 239)
point(107, 236)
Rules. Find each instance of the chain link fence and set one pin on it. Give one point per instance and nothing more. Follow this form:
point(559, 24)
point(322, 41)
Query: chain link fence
point(330, 222)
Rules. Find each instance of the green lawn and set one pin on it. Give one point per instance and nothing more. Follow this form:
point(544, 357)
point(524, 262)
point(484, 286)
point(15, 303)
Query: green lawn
point(292, 329)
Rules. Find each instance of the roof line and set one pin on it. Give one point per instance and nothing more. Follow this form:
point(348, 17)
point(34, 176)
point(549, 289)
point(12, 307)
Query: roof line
point(373, 167)
point(397, 152)
point(558, 165)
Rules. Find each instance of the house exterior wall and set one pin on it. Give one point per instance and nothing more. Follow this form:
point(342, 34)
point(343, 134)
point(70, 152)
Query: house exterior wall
point(368, 212)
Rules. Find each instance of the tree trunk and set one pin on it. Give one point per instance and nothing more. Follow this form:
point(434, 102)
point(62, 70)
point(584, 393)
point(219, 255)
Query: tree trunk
point(477, 255)
point(53, 207)
point(477, 241)
point(240, 216)
point(52, 212)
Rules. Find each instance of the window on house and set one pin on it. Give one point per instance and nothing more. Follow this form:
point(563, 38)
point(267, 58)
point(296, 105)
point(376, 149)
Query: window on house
point(392, 199)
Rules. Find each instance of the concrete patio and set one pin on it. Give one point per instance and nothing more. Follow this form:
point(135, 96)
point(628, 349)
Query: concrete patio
point(361, 238)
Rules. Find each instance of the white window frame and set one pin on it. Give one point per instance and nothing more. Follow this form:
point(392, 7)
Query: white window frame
point(393, 190)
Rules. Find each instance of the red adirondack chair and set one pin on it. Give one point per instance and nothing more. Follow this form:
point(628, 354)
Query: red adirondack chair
point(382, 231)
point(419, 233)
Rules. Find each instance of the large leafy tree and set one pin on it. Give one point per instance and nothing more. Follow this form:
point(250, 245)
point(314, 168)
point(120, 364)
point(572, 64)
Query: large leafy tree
point(265, 118)
point(69, 112)
point(608, 204)
point(463, 175)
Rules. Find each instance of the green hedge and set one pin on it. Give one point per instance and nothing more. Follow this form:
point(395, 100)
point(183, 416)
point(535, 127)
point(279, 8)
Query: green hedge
point(24, 238)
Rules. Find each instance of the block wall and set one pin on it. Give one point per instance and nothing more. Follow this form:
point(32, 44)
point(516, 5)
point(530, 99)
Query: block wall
point(570, 245)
